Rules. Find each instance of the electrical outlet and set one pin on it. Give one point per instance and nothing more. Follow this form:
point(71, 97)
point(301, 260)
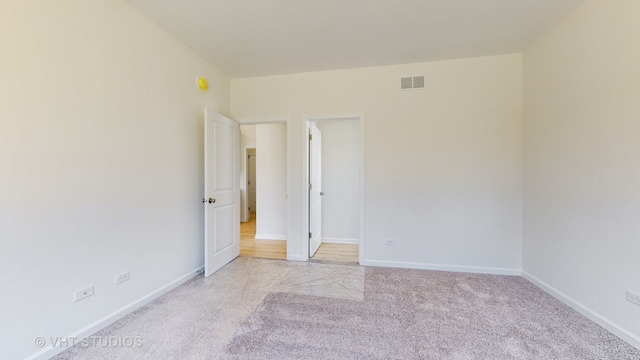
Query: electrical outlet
point(389, 242)
point(83, 293)
point(120, 278)
point(633, 297)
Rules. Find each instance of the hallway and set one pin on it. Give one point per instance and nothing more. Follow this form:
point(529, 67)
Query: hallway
point(277, 249)
point(266, 249)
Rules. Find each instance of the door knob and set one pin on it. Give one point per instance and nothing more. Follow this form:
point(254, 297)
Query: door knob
point(212, 200)
point(321, 194)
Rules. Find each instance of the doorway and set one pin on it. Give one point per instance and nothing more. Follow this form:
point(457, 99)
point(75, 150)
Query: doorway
point(264, 190)
point(334, 199)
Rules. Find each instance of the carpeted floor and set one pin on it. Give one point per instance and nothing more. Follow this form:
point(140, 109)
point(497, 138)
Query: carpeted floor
point(414, 314)
point(266, 309)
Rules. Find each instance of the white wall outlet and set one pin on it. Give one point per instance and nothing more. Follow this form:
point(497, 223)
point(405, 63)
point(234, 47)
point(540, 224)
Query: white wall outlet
point(633, 297)
point(389, 242)
point(83, 293)
point(120, 278)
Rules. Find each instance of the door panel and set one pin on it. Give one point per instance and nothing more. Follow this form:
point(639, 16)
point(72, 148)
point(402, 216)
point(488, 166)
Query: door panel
point(315, 191)
point(252, 180)
point(224, 234)
point(222, 191)
point(223, 156)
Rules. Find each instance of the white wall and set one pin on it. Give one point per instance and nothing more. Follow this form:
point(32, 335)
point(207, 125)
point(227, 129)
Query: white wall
point(271, 181)
point(101, 163)
point(247, 141)
point(443, 166)
point(340, 180)
point(582, 169)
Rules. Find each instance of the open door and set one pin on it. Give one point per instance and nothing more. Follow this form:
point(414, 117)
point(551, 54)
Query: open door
point(315, 188)
point(251, 181)
point(221, 191)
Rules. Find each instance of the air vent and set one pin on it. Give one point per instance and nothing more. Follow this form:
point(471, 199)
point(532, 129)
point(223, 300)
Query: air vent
point(412, 82)
point(406, 83)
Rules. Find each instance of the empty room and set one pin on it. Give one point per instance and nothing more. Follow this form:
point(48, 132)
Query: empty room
point(479, 158)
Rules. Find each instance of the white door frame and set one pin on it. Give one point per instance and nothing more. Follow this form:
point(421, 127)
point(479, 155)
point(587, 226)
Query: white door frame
point(305, 188)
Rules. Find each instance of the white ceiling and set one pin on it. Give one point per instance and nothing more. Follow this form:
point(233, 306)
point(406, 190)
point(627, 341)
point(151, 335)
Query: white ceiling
point(245, 38)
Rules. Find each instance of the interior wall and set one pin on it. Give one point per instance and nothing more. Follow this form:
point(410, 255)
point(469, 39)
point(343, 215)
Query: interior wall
point(582, 169)
point(247, 140)
point(271, 181)
point(101, 164)
point(340, 180)
point(443, 166)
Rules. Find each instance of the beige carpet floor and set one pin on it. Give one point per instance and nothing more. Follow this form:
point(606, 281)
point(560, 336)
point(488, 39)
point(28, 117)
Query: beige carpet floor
point(266, 309)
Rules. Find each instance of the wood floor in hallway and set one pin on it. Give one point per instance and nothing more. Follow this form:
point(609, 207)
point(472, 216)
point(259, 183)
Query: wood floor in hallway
point(277, 249)
point(266, 249)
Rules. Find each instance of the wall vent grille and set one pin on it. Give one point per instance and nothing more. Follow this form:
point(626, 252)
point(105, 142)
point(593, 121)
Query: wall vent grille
point(412, 82)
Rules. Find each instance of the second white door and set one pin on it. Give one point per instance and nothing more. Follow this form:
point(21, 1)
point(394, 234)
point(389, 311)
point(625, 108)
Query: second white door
point(251, 179)
point(315, 188)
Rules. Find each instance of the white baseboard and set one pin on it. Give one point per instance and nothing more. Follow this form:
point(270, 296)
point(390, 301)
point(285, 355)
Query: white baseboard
point(340, 241)
point(613, 328)
point(50, 351)
point(439, 267)
point(270, 237)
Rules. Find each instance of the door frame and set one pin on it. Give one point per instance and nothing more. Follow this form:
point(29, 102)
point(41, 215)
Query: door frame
point(307, 120)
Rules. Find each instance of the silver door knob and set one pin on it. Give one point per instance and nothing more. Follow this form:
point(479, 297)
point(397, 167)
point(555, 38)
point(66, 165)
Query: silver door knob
point(212, 200)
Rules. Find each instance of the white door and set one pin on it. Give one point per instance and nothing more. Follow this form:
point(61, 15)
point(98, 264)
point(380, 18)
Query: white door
point(221, 191)
point(251, 176)
point(315, 189)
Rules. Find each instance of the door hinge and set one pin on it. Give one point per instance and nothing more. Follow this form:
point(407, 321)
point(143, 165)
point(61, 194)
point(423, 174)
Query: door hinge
point(310, 137)
point(309, 235)
point(310, 187)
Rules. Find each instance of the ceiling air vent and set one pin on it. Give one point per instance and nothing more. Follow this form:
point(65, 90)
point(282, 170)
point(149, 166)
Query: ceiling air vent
point(412, 82)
